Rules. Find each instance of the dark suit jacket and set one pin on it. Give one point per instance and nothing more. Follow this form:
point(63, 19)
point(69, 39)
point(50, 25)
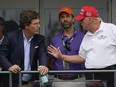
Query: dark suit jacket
point(12, 52)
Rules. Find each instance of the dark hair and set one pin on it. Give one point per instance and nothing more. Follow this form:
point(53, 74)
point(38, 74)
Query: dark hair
point(2, 22)
point(26, 17)
point(11, 25)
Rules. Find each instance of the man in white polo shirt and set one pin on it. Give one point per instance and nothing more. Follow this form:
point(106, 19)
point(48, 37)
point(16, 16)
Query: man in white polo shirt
point(98, 48)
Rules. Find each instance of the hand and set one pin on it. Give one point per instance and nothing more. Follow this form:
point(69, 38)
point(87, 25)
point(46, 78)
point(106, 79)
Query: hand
point(14, 69)
point(42, 69)
point(54, 51)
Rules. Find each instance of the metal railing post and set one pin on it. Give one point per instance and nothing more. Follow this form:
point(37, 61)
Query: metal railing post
point(20, 79)
point(10, 79)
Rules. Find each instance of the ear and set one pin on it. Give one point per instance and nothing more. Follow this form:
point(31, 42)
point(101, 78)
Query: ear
point(26, 26)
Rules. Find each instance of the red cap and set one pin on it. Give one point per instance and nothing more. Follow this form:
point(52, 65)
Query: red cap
point(87, 11)
point(66, 9)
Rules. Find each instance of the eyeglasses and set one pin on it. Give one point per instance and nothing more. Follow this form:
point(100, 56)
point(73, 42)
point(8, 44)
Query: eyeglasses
point(67, 45)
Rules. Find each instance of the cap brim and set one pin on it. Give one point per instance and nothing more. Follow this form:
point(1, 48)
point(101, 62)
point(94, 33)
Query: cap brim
point(64, 12)
point(80, 17)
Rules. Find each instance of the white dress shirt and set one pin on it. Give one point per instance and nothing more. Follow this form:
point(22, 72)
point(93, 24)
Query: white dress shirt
point(27, 66)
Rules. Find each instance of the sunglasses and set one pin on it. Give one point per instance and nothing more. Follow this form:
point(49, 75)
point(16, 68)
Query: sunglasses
point(67, 46)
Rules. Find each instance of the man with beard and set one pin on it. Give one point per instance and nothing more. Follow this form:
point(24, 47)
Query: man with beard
point(68, 42)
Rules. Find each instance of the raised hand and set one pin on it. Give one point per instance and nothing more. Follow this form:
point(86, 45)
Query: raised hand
point(54, 51)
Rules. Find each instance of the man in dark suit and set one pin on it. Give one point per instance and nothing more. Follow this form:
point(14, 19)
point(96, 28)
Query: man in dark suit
point(2, 25)
point(22, 48)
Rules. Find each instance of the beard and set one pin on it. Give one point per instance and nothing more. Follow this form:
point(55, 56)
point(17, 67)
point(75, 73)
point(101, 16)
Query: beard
point(66, 24)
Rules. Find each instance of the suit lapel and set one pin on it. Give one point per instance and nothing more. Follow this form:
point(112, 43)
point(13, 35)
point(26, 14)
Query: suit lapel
point(34, 43)
point(33, 46)
point(21, 46)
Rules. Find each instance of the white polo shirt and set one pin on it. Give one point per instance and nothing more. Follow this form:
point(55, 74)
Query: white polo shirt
point(99, 48)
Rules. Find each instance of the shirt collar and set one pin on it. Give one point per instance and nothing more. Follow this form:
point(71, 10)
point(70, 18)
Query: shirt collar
point(101, 28)
point(75, 32)
point(26, 38)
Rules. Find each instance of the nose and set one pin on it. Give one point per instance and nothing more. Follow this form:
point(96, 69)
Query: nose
point(65, 19)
